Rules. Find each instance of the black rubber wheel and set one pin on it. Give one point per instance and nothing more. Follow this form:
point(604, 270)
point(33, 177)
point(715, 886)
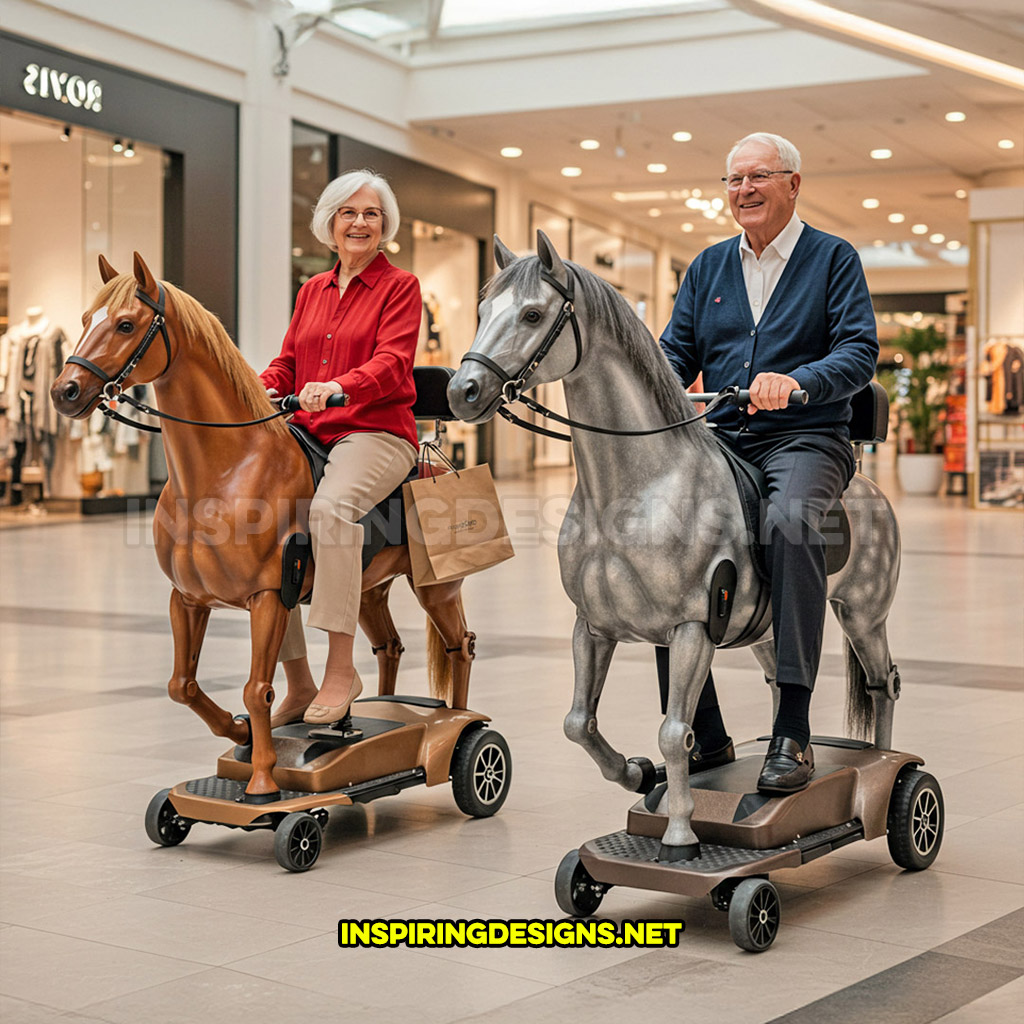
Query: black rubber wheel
point(298, 841)
point(754, 914)
point(481, 773)
point(916, 819)
point(576, 892)
point(164, 825)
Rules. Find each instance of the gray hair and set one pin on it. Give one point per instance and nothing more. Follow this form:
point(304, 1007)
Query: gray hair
point(788, 153)
point(340, 191)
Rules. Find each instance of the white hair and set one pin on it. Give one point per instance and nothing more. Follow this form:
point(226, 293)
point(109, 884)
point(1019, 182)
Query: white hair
point(340, 191)
point(788, 153)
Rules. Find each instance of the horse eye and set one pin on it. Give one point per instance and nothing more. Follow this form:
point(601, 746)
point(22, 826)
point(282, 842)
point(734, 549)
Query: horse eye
point(532, 316)
point(126, 326)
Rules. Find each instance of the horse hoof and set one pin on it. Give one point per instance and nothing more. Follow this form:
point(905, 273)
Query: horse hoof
point(648, 774)
point(675, 854)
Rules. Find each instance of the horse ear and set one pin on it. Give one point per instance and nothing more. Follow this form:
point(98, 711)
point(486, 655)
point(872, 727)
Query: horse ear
point(551, 260)
point(503, 255)
point(107, 272)
point(147, 282)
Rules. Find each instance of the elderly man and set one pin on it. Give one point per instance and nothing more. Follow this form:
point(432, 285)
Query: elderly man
point(781, 308)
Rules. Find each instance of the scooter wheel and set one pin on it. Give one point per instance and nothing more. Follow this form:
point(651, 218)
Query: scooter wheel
point(298, 841)
point(754, 914)
point(576, 891)
point(481, 772)
point(164, 825)
point(916, 818)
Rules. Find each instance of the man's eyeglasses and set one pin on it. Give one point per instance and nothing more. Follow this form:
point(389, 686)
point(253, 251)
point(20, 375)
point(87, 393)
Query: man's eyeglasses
point(735, 181)
point(371, 216)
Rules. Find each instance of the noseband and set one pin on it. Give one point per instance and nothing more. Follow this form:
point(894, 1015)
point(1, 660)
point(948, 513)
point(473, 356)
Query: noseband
point(112, 385)
point(513, 385)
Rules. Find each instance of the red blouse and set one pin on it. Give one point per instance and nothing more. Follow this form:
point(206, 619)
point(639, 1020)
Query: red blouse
point(366, 342)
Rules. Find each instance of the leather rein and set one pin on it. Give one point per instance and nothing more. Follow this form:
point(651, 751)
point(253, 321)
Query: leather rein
point(112, 390)
point(513, 385)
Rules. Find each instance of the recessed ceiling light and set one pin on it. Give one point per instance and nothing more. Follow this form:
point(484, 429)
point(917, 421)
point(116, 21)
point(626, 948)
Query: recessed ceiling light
point(956, 115)
point(896, 218)
point(571, 172)
point(511, 152)
point(681, 136)
point(878, 243)
point(937, 237)
point(709, 213)
point(953, 244)
point(657, 168)
point(881, 154)
point(696, 193)
point(869, 204)
point(1006, 143)
point(721, 220)
point(961, 193)
point(654, 212)
point(920, 229)
point(718, 203)
point(687, 227)
point(590, 144)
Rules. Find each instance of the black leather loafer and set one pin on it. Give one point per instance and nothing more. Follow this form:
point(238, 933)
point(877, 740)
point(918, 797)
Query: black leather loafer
point(702, 762)
point(787, 768)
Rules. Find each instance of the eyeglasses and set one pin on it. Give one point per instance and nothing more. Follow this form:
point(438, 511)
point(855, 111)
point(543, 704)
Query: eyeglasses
point(371, 216)
point(735, 181)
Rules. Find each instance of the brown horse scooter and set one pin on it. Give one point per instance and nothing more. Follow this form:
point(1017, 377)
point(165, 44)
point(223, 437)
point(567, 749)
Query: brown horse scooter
point(139, 330)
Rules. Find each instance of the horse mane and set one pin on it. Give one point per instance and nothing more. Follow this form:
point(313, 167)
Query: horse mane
point(608, 307)
point(201, 326)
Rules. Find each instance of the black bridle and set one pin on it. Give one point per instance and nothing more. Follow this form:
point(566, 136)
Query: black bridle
point(513, 385)
point(112, 391)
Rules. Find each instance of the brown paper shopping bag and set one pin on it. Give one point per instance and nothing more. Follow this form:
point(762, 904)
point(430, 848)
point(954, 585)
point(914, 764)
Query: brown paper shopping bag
point(455, 525)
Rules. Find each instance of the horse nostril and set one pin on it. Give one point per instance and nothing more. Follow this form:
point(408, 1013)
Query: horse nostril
point(71, 391)
point(471, 391)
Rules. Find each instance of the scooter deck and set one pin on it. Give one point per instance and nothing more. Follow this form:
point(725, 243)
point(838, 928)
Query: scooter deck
point(743, 832)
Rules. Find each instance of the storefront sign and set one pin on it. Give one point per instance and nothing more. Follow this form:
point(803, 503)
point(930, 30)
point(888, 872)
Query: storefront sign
point(50, 83)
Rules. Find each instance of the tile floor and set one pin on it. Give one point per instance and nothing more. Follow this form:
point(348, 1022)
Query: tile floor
point(97, 924)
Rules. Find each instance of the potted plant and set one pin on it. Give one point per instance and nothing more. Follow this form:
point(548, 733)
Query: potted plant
point(917, 390)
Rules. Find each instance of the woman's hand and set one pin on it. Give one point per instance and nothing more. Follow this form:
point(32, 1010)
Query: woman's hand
point(313, 397)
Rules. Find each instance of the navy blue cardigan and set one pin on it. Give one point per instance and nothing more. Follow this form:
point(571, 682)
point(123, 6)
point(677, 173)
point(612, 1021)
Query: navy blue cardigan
point(818, 327)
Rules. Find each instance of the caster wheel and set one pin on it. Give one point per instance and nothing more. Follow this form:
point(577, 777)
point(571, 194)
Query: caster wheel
point(481, 773)
point(576, 892)
point(164, 825)
point(754, 914)
point(916, 818)
point(298, 841)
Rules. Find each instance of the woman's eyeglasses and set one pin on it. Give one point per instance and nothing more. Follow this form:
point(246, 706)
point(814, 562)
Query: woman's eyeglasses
point(371, 216)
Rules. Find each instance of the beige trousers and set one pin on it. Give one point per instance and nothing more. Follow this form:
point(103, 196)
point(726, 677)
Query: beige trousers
point(363, 469)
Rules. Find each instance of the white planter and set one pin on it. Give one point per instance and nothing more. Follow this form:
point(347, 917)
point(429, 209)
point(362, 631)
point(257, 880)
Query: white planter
point(920, 473)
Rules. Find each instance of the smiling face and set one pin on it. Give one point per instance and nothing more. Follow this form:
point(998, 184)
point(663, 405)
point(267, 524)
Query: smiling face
point(358, 240)
point(762, 210)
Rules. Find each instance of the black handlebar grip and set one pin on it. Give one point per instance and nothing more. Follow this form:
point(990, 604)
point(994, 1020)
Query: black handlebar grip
point(290, 403)
point(795, 398)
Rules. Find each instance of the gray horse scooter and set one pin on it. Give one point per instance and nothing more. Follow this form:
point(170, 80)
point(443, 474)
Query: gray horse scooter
point(679, 572)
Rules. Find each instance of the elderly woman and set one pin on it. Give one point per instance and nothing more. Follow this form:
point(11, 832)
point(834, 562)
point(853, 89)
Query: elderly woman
point(354, 331)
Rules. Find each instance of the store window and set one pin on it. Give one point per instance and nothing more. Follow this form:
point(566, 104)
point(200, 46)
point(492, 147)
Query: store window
point(67, 194)
point(312, 171)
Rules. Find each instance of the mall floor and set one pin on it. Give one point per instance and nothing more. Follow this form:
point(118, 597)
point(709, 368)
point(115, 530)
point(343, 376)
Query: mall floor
point(100, 925)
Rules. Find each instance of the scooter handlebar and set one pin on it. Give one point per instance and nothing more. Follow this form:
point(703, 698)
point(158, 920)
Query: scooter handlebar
point(290, 403)
point(740, 396)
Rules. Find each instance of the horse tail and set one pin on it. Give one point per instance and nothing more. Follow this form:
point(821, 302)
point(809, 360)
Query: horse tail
point(439, 665)
point(860, 709)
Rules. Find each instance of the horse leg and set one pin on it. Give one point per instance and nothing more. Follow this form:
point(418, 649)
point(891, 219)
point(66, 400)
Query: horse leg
point(376, 622)
point(268, 619)
point(872, 681)
point(764, 651)
point(450, 645)
point(690, 654)
point(591, 656)
point(188, 626)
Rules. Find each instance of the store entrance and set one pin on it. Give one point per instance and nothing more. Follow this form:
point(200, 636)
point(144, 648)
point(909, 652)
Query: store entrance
point(67, 194)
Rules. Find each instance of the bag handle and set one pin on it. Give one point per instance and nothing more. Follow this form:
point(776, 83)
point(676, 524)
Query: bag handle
point(428, 447)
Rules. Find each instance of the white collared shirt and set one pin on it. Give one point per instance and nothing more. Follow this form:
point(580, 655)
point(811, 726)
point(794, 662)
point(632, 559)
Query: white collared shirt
point(762, 275)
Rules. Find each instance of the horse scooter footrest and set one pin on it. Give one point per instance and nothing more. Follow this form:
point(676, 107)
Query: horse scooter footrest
point(213, 787)
point(713, 858)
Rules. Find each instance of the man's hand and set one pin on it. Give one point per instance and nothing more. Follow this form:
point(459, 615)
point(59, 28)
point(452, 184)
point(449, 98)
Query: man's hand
point(771, 391)
point(313, 397)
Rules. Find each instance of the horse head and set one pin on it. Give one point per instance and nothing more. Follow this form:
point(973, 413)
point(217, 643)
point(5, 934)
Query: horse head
point(522, 340)
point(115, 349)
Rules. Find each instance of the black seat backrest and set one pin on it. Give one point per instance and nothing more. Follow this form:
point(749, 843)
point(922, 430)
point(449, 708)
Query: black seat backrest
point(432, 392)
point(870, 421)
